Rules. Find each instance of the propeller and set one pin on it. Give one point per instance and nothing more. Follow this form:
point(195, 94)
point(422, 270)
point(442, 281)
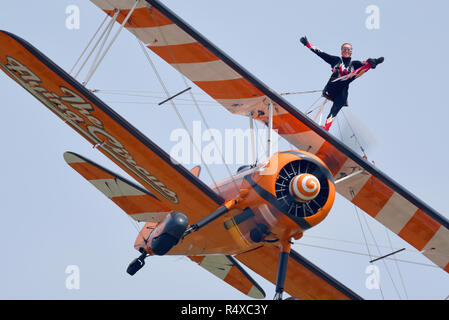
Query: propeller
point(301, 188)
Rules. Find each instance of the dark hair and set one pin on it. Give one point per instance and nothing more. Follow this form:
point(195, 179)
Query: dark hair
point(345, 44)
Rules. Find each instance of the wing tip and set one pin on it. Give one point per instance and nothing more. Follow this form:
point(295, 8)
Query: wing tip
point(71, 157)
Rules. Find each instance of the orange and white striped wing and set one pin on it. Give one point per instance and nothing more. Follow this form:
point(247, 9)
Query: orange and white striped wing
point(228, 269)
point(180, 48)
point(303, 280)
point(401, 212)
point(138, 203)
point(240, 92)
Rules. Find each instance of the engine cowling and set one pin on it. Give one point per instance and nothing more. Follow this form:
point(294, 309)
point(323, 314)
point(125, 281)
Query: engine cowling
point(297, 184)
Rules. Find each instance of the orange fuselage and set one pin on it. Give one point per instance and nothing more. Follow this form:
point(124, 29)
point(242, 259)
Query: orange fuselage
point(265, 213)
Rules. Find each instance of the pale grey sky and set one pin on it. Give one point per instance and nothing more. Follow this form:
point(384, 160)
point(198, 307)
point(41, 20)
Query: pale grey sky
point(51, 217)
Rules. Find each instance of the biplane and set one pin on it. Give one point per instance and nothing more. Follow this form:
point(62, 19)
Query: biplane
point(251, 217)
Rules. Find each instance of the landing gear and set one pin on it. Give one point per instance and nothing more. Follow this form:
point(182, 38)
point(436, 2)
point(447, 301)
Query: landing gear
point(282, 269)
point(137, 263)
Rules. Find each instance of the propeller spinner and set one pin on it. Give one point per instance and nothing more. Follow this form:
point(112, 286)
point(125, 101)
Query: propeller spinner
point(304, 187)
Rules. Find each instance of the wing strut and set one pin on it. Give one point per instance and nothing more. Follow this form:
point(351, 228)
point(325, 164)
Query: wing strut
point(96, 64)
point(253, 138)
point(270, 127)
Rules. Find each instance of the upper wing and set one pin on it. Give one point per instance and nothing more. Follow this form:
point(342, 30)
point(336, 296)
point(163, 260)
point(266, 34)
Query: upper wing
point(175, 186)
point(304, 280)
point(241, 93)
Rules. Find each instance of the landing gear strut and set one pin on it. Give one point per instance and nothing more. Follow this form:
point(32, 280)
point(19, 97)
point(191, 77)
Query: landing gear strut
point(282, 269)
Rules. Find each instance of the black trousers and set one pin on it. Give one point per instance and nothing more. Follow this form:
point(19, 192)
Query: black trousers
point(338, 95)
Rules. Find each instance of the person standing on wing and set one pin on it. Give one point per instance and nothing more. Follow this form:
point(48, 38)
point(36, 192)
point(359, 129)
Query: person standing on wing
point(344, 71)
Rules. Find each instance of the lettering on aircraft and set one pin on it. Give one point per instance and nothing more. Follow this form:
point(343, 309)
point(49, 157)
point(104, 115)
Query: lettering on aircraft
point(76, 111)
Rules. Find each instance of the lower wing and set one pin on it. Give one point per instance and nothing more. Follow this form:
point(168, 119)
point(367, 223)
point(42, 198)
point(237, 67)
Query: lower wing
point(175, 186)
point(304, 280)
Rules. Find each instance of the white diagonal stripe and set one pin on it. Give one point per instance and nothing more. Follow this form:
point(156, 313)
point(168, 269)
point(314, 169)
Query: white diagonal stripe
point(166, 35)
point(354, 183)
point(396, 213)
point(439, 241)
point(207, 71)
point(308, 141)
point(241, 106)
point(149, 216)
point(218, 265)
point(118, 4)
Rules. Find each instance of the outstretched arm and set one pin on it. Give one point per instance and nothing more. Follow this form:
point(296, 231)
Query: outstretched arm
point(332, 60)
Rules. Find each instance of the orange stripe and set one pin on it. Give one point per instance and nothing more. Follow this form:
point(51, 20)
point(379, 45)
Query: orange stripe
point(184, 53)
point(229, 89)
point(141, 18)
point(197, 259)
point(373, 196)
point(333, 158)
point(238, 280)
point(446, 268)
point(419, 230)
point(89, 171)
point(138, 204)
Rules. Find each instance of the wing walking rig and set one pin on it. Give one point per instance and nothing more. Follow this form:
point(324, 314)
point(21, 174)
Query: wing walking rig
point(273, 203)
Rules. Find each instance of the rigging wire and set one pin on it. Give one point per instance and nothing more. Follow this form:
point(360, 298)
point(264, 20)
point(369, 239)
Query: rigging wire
point(108, 27)
point(358, 243)
point(149, 96)
point(100, 49)
point(366, 222)
point(99, 58)
point(299, 92)
point(153, 103)
point(355, 136)
point(396, 263)
point(364, 237)
point(172, 103)
point(380, 254)
point(161, 94)
point(363, 254)
point(88, 44)
point(311, 109)
point(176, 65)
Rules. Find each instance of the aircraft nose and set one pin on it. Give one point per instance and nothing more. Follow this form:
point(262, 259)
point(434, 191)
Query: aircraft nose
point(304, 187)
